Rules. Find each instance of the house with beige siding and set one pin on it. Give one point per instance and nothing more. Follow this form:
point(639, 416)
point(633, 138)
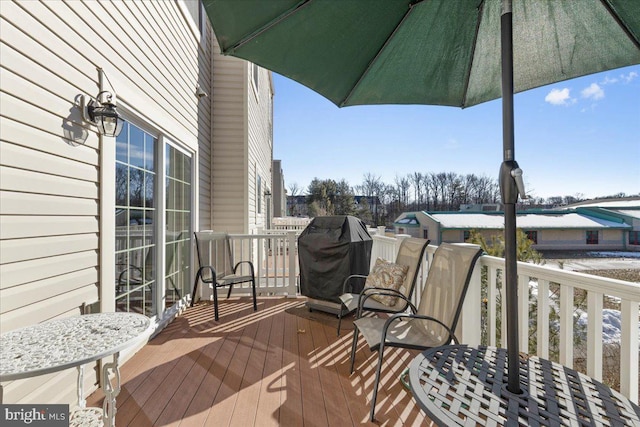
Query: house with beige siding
point(279, 193)
point(240, 160)
point(85, 219)
point(582, 228)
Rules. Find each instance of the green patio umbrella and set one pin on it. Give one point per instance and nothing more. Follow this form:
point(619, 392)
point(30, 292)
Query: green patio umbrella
point(441, 52)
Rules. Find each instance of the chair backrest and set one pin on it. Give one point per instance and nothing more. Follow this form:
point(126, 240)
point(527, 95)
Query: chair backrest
point(410, 253)
point(446, 286)
point(213, 248)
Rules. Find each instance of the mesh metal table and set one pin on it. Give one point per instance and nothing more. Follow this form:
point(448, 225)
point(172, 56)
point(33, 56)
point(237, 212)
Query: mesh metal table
point(466, 386)
point(73, 342)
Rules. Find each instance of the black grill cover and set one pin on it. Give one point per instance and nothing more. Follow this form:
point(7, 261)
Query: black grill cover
point(330, 249)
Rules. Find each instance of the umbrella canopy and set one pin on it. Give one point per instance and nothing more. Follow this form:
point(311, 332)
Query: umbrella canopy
point(442, 52)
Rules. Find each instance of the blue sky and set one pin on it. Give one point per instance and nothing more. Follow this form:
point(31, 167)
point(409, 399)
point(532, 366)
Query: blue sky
point(578, 137)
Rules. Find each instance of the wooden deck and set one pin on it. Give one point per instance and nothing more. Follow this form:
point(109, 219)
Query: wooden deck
point(264, 368)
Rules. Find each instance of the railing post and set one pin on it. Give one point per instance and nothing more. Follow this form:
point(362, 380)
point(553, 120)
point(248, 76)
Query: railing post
point(492, 291)
point(523, 309)
point(594, 334)
point(543, 319)
point(292, 290)
point(503, 312)
point(469, 328)
point(629, 350)
point(566, 325)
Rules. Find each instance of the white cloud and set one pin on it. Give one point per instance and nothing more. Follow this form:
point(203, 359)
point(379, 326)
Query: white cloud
point(629, 77)
point(594, 92)
point(622, 78)
point(558, 97)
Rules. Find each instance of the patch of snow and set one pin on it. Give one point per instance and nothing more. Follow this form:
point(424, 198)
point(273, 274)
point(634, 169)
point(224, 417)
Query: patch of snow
point(611, 326)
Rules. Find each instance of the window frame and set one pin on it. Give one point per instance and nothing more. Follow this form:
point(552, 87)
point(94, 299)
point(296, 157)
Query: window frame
point(149, 250)
point(258, 194)
point(160, 309)
point(254, 77)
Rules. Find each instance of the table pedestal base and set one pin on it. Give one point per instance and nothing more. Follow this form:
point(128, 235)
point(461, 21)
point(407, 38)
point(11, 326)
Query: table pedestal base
point(111, 391)
point(90, 417)
point(86, 417)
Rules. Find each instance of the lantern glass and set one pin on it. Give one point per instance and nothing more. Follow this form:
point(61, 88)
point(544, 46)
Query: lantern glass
point(108, 120)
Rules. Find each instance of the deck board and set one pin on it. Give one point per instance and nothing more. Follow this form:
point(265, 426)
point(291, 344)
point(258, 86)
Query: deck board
point(264, 368)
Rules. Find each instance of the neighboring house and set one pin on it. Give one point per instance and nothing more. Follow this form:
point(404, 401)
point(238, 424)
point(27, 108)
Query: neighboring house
point(297, 206)
point(377, 208)
point(243, 149)
point(279, 197)
point(86, 219)
point(585, 228)
point(411, 223)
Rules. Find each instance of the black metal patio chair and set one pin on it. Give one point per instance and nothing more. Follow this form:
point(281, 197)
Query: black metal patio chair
point(216, 267)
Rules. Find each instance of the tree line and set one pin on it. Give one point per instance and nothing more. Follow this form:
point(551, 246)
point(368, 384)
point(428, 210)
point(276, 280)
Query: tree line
point(383, 202)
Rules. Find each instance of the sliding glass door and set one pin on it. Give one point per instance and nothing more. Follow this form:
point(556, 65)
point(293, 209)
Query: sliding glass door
point(150, 218)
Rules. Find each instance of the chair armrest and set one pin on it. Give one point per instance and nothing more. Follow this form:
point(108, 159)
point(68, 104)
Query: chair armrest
point(348, 279)
point(400, 316)
point(214, 276)
point(244, 262)
point(369, 292)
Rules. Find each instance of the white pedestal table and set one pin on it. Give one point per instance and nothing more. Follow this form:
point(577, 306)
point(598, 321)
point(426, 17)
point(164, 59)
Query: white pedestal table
point(70, 342)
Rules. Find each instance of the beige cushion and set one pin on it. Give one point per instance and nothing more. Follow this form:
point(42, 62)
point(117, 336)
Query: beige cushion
point(386, 275)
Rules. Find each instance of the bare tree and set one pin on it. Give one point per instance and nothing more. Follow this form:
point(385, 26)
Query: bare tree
point(372, 187)
point(294, 189)
point(402, 190)
point(426, 182)
point(417, 182)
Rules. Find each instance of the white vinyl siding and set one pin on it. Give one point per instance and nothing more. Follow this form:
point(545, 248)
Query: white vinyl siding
point(260, 142)
point(229, 165)
point(205, 134)
point(242, 144)
point(51, 162)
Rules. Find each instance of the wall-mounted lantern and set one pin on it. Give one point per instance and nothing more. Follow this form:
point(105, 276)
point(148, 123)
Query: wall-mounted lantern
point(101, 111)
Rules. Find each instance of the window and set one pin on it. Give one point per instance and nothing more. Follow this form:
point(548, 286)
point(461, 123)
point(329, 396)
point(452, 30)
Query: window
point(466, 235)
point(135, 220)
point(592, 237)
point(141, 285)
point(259, 194)
point(425, 233)
point(634, 237)
point(533, 236)
point(177, 224)
point(202, 19)
point(255, 74)
point(198, 15)
point(410, 220)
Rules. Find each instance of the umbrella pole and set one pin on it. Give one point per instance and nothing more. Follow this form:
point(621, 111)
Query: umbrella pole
point(509, 193)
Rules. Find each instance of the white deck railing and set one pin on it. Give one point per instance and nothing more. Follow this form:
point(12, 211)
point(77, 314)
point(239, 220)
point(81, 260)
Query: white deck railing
point(546, 293)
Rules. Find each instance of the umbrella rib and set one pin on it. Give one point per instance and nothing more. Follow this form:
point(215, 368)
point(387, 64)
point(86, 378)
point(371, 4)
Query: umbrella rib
point(373, 60)
point(299, 6)
point(473, 54)
point(620, 22)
